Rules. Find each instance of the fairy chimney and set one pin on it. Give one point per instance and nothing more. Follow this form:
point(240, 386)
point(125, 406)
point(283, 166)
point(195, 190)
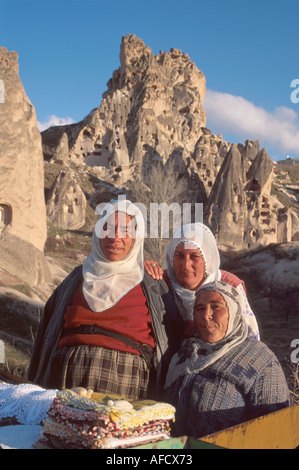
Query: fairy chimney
point(239, 211)
point(66, 203)
point(23, 228)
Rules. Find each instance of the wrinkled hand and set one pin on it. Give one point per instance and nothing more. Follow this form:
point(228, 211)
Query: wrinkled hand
point(153, 269)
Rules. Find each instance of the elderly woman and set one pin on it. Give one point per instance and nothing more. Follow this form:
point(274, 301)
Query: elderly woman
point(192, 261)
point(221, 377)
point(107, 326)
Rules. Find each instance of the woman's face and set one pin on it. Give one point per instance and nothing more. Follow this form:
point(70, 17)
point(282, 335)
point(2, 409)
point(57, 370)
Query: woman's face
point(119, 236)
point(211, 316)
point(189, 266)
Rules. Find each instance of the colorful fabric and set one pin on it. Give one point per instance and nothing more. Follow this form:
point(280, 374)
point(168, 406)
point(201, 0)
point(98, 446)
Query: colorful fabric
point(101, 369)
point(77, 422)
point(106, 282)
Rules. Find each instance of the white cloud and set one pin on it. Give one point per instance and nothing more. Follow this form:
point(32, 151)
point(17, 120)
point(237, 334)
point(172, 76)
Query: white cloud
point(236, 115)
point(54, 121)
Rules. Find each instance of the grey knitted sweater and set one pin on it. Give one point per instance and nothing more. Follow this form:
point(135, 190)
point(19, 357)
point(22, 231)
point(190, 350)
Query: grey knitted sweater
point(246, 383)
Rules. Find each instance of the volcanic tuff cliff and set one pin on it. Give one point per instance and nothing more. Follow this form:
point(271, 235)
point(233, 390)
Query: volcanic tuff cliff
point(23, 228)
point(152, 112)
point(153, 109)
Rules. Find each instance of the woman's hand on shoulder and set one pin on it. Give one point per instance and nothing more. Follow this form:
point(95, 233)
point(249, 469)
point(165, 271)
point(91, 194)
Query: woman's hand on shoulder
point(153, 269)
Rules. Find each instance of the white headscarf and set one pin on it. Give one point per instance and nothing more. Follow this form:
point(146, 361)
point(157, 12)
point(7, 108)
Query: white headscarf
point(106, 282)
point(194, 354)
point(201, 237)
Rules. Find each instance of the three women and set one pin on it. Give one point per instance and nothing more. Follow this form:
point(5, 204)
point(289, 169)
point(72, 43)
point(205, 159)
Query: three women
point(111, 327)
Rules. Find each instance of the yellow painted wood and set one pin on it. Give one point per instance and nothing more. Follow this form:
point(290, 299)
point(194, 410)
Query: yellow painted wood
point(278, 430)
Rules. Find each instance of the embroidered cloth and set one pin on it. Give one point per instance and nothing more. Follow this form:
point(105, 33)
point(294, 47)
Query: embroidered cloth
point(27, 403)
point(85, 423)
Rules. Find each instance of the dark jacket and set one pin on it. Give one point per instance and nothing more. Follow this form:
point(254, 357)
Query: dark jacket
point(166, 323)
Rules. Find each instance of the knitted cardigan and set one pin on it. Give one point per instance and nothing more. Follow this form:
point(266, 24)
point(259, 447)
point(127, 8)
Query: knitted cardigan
point(246, 383)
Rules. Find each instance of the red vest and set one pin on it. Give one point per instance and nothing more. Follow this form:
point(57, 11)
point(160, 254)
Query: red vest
point(130, 317)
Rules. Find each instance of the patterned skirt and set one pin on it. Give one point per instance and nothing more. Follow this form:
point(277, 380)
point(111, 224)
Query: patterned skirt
point(101, 369)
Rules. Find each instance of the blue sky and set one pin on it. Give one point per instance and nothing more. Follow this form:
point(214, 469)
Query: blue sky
point(248, 51)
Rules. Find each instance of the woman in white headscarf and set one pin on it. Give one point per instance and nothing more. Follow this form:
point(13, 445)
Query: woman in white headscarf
point(220, 377)
point(106, 326)
point(115, 266)
point(192, 261)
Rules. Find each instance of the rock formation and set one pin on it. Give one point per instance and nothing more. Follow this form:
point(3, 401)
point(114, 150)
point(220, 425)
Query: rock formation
point(241, 210)
point(153, 112)
point(23, 228)
point(59, 152)
point(66, 203)
point(153, 108)
point(208, 156)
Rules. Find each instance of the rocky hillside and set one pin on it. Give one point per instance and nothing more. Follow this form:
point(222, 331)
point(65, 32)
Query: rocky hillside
point(286, 188)
point(151, 114)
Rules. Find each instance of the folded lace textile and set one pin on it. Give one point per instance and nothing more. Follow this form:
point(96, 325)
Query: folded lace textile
point(77, 422)
point(27, 403)
point(62, 436)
